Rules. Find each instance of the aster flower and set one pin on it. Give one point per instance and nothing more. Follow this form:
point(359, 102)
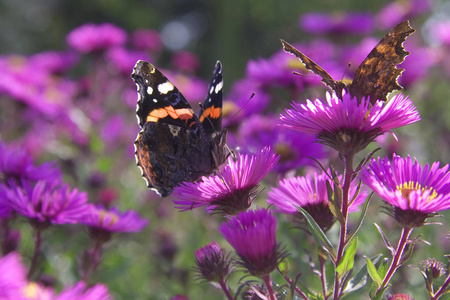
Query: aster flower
point(124, 60)
point(252, 234)
point(13, 277)
point(232, 190)
point(16, 164)
point(413, 192)
point(347, 125)
point(212, 262)
point(185, 61)
point(81, 291)
point(352, 23)
point(295, 148)
point(47, 204)
point(112, 220)
point(311, 194)
point(90, 38)
point(147, 39)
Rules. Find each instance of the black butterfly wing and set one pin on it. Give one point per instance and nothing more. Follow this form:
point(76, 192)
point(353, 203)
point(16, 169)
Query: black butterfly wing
point(159, 100)
point(210, 114)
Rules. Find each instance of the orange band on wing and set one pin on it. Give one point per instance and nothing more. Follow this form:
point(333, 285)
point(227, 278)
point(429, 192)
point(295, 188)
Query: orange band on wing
point(160, 113)
point(211, 112)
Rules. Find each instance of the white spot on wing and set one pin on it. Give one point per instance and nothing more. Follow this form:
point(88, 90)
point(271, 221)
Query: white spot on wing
point(165, 87)
point(155, 100)
point(211, 90)
point(219, 87)
point(149, 90)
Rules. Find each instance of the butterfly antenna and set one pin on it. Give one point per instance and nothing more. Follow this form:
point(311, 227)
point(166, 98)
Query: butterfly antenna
point(240, 109)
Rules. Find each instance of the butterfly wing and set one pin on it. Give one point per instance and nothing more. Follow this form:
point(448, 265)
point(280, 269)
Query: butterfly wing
point(210, 114)
point(159, 100)
point(337, 86)
point(377, 75)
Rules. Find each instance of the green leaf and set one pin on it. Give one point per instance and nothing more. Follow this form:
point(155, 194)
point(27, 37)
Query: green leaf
point(346, 263)
point(319, 236)
point(284, 267)
point(360, 279)
point(361, 218)
point(334, 201)
point(373, 272)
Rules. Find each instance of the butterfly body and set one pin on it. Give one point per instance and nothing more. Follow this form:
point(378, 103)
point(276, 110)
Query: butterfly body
point(174, 144)
point(377, 75)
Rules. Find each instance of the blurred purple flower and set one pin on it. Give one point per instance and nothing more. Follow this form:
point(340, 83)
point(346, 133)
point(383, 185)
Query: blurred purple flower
point(81, 291)
point(441, 32)
point(185, 61)
point(252, 234)
point(312, 195)
point(147, 39)
point(54, 61)
point(417, 65)
point(16, 164)
point(231, 191)
point(12, 277)
point(271, 72)
point(193, 88)
point(112, 220)
point(90, 37)
point(49, 94)
point(124, 60)
point(413, 192)
point(344, 23)
point(295, 148)
point(47, 203)
point(240, 93)
point(397, 11)
point(346, 125)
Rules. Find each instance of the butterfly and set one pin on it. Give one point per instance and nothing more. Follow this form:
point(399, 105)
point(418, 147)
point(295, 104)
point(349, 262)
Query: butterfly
point(174, 144)
point(377, 75)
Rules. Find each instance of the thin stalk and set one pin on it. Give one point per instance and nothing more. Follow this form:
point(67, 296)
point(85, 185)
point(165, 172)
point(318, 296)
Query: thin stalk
point(268, 281)
point(406, 232)
point(225, 289)
point(441, 291)
point(288, 280)
point(94, 261)
point(348, 173)
point(37, 252)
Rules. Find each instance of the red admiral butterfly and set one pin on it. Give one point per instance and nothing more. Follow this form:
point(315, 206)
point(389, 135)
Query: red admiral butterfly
point(174, 144)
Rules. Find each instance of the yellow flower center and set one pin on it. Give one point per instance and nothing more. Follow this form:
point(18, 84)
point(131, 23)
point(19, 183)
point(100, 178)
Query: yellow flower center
point(113, 217)
point(407, 187)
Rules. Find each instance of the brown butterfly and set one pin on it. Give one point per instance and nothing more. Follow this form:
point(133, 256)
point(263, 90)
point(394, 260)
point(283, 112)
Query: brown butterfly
point(377, 75)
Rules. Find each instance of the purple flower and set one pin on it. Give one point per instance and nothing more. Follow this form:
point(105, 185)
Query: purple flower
point(397, 11)
point(12, 277)
point(185, 61)
point(212, 263)
point(81, 291)
point(53, 61)
point(352, 23)
point(47, 204)
point(441, 32)
point(231, 191)
point(124, 60)
point(147, 39)
point(295, 148)
point(311, 194)
point(16, 164)
point(90, 38)
point(193, 88)
point(252, 234)
point(349, 126)
point(112, 220)
point(413, 192)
